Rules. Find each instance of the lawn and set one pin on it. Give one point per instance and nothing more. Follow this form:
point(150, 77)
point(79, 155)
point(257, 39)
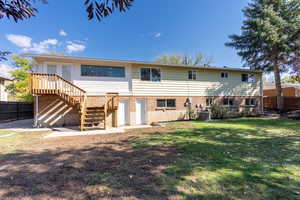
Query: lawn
point(250, 158)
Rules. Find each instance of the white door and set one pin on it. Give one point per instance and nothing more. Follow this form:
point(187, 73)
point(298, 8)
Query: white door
point(123, 113)
point(66, 72)
point(140, 111)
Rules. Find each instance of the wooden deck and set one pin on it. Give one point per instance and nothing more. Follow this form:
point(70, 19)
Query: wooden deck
point(90, 117)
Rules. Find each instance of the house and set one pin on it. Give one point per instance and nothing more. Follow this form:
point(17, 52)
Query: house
point(3, 92)
point(103, 93)
point(288, 90)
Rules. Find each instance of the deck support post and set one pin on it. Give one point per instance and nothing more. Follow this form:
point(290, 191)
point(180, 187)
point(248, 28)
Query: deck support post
point(36, 111)
point(115, 119)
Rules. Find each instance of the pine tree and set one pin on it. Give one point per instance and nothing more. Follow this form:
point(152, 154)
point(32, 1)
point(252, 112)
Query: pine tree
point(269, 37)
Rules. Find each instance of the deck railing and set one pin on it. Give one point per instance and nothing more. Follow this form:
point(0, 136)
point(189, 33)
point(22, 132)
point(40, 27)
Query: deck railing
point(112, 101)
point(54, 84)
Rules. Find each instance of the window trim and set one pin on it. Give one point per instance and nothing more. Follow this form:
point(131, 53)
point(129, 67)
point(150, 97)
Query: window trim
point(228, 105)
point(224, 78)
point(206, 101)
point(248, 78)
point(194, 72)
point(250, 102)
point(166, 104)
point(103, 77)
point(150, 73)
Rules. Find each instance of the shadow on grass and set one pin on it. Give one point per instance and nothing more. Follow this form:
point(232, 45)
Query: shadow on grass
point(204, 162)
point(232, 163)
point(110, 172)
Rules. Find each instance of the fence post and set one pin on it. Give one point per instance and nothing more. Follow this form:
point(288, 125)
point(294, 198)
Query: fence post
point(18, 110)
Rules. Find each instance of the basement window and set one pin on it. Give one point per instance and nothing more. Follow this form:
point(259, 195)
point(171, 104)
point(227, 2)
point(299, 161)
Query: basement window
point(151, 74)
point(250, 102)
point(209, 102)
point(228, 101)
point(166, 103)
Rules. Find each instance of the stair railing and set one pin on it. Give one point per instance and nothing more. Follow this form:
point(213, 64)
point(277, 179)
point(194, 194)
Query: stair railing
point(54, 84)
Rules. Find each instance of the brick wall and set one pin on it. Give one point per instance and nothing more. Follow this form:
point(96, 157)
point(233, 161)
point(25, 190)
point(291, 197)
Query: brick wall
point(55, 112)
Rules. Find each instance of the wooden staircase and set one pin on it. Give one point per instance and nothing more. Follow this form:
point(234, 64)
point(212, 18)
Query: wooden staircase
point(91, 117)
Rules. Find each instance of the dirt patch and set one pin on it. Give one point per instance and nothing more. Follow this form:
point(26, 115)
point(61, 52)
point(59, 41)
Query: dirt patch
point(86, 167)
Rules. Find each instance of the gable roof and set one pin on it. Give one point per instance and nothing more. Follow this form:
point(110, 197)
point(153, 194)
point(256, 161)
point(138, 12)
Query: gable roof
point(45, 57)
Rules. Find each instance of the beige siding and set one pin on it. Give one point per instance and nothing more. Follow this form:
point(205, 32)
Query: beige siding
point(209, 83)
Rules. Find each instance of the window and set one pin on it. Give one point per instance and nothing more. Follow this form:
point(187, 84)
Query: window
point(51, 69)
point(102, 71)
point(209, 102)
point(224, 75)
point(248, 78)
point(250, 102)
point(228, 102)
point(150, 74)
point(166, 103)
point(192, 75)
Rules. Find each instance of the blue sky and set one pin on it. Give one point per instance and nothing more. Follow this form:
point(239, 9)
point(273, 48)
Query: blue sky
point(150, 28)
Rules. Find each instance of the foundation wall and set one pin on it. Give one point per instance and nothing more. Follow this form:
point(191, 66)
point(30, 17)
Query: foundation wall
point(52, 111)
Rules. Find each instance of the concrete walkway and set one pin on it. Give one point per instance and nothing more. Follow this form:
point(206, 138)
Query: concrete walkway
point(26, 126)
point(71, 131)
point(21, 125)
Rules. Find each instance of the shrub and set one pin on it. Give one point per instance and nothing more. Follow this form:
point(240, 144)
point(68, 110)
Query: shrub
point(219, 112)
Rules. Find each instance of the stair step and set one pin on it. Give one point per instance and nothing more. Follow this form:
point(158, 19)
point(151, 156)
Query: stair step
point(97, 120)
point(93, 128)
point(95, 108)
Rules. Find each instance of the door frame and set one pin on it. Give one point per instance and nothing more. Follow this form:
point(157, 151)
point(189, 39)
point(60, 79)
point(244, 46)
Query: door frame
point(145, 111)
point(127, 120)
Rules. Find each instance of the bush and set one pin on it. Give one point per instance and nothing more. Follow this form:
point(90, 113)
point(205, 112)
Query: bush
point(248, 112)
point(219, 112)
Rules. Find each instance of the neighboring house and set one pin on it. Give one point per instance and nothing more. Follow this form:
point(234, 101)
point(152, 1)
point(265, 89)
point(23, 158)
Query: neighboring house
point(101, 93)
point(288, 90)
point(3, 92)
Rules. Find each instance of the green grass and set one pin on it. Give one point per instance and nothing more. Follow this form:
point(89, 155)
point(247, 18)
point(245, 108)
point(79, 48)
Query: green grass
point(233, 159)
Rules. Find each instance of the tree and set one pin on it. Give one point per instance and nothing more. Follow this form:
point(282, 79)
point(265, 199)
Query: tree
point(24, 9)
point(198, 60)
point(291, 79)
point(269, 38)
point(20, 76)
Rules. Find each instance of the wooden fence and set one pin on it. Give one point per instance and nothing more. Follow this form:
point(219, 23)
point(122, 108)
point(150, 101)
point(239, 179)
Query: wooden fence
point(15, 110)
point(289, 103)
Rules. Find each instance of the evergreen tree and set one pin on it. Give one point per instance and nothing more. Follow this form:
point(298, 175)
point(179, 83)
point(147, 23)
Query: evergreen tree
point(269, 36)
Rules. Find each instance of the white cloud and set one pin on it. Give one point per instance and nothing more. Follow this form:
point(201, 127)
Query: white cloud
point(42, 47)
point(19, 40)
point(45, 46)
point(75, 47)
point(62, 33)
point(157, 35)
point(4, 70)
